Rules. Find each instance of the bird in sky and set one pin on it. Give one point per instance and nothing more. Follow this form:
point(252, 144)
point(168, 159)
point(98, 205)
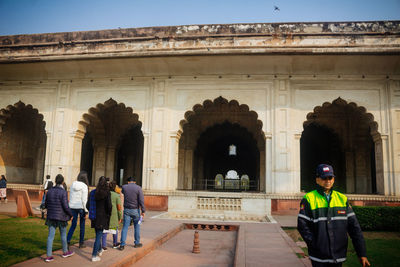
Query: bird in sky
point(276, 8)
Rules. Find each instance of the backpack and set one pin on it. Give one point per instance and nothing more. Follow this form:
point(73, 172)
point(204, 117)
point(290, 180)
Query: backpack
point(92, 205)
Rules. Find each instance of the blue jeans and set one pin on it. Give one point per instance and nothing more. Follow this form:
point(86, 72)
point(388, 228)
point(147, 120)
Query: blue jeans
point(97, 242)
point(115, 237)
point(104, 239)
point(135, 215)
point(75, 213)
point(50, 239)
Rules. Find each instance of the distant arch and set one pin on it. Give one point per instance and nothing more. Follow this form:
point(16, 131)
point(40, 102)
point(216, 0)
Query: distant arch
point(346, 136)
point(210, 128)
point(112, 141)
point(22, 143)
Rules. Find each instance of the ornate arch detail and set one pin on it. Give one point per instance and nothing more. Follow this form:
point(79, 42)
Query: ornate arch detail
point(94, 115)
point(221, 110)
point(7, 112)
point(312, 117)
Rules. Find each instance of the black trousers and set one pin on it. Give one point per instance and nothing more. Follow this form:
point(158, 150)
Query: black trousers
point(325, 264)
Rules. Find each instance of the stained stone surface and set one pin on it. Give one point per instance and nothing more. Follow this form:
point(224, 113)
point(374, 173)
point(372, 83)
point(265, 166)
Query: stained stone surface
point(216, 249)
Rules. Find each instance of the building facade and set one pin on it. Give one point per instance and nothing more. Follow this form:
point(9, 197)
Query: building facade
point(180, 107)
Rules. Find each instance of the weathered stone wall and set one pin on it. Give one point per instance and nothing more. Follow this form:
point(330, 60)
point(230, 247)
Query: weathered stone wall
point(280, 71)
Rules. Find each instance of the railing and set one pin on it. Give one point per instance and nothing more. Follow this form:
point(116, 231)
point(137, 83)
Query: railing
point(229, 185)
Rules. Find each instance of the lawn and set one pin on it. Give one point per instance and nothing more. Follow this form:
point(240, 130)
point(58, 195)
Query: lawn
point(25, 238)
point(383, 248)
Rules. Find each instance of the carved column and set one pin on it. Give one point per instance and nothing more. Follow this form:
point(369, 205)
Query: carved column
point(47, 160)
point(110, 161)
point(77, 136)
point(296, 163)
point(146, 172)
point(269, 183)
point(173, 160)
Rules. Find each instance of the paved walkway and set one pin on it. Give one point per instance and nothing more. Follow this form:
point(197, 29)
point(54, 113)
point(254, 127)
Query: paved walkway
point(257, 244)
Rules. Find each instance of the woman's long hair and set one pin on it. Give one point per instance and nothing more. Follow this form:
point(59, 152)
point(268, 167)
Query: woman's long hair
point(102, 188)
point(113, 184)
point(83, 177)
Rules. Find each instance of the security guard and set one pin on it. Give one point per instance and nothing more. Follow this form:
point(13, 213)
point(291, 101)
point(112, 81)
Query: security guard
point(324, 220)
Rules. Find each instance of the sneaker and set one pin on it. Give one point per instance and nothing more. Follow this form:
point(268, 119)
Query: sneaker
point(116, 245)
point(49, 259)
point(104, 248)
point(81, 245)
point(121, 247)
point(97, 258)
point(100, 252)
point(68, 254)
point(138, 245)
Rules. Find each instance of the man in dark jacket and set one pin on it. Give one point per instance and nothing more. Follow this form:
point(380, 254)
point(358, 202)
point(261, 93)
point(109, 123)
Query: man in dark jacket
point(324, 220)
point(133, 209)
point(58, 215)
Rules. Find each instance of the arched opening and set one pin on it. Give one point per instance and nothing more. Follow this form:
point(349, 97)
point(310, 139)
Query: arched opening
point(320, 144)
point(87, 156)
point(221, 139)
point(212, 157)
point(22, 144)
point(346, 137)
point(113, 143)
point(130, 154)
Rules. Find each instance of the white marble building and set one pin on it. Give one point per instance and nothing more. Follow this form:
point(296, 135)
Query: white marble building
point(163, 103)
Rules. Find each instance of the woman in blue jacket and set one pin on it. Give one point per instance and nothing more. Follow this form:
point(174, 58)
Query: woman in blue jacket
point(58, 215)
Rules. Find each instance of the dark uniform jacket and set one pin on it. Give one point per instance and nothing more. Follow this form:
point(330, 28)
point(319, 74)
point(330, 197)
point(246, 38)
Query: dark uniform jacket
point(324, 227)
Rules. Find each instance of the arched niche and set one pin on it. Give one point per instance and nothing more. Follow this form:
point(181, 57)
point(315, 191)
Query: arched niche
point(207, 132)
point(22, 144)
point(346, 136)
point(112, 142)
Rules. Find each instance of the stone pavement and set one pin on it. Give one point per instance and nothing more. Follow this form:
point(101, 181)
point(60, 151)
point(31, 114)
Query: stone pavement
point(257, 244)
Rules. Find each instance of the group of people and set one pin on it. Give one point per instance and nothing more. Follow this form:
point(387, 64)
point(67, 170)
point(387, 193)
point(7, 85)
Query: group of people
point(102, 205)
point(324, 221)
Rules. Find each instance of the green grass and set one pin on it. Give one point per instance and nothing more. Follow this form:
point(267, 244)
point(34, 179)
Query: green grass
point(383, 252)
point(383, 248)
point(25, 238)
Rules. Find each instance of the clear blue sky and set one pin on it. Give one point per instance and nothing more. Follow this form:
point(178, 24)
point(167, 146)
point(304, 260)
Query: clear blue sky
point(43, 16)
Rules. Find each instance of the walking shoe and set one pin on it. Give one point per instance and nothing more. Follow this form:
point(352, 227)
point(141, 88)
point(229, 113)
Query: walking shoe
point(97, 258)
point(138, 245)
point(81, 245)
point(100, 252)
point(68, 254)
point(121, 247)
point(104, 248)
point(49, 259)
point(116, 245)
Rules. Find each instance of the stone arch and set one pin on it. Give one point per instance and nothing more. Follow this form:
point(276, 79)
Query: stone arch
point(111, 140)
point(22, 143)
point(209, 127)
point(346, 136)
